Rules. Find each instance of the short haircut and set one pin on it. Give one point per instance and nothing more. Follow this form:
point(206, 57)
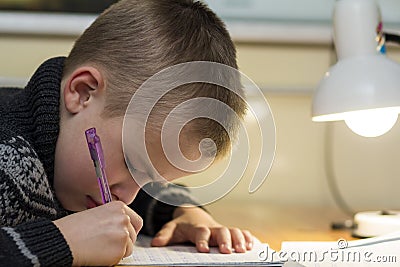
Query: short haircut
point(134, 39)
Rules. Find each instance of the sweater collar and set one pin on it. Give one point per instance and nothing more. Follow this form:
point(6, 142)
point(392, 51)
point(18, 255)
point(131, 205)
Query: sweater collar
point(43, 104)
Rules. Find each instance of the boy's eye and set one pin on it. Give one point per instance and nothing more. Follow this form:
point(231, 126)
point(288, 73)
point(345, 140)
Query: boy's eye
point(140, 177)
point(129, 165)
point(131, 168)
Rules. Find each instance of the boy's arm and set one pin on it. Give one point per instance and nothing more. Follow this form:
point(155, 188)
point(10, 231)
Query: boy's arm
point(170, 224)
point(37, 243)
point(25, 198)
point(156, 213)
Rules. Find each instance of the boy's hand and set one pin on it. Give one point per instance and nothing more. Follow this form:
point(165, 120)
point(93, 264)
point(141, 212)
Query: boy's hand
point(195, 225)
point(101, 235)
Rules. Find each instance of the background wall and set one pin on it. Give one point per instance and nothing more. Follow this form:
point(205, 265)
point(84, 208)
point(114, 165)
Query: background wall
point(366, 170)
point(309, 153)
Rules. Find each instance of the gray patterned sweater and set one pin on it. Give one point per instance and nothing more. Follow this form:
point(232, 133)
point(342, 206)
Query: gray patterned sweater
point(29, 126)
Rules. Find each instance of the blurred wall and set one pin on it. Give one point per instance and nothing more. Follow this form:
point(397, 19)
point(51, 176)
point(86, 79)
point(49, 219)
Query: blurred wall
point(366, 170)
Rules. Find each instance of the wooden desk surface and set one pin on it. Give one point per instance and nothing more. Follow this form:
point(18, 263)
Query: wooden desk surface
point(274, 224)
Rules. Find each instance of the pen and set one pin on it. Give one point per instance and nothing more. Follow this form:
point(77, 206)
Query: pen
point(96, 153)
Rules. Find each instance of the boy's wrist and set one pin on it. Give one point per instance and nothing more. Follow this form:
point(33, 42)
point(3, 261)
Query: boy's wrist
point(187, 207)
point(179, 210)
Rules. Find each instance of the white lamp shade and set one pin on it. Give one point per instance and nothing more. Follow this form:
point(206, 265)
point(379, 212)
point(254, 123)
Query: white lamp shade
point(363, 88)
point(357, 83)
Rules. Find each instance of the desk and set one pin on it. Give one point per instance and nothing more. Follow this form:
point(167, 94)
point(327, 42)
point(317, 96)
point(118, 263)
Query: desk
point(274, 224)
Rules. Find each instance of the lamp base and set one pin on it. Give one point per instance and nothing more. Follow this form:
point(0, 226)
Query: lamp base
point(374, 223)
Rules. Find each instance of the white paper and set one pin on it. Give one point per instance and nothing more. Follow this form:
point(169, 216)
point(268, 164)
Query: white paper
point(379, 251)
point(187, 255)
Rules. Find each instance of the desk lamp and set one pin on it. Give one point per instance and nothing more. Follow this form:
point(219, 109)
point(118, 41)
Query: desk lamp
point(362, 88)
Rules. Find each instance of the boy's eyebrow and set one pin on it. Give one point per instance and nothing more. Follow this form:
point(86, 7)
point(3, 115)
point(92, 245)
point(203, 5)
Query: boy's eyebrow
point(129, 164)
point(131, 167)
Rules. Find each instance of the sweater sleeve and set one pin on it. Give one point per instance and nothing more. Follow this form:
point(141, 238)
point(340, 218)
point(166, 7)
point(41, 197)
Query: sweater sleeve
point(37, 243)
point(154, 210)
point(28, 237)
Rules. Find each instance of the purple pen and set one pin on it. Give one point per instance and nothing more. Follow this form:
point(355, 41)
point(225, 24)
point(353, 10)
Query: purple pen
point(96, 153)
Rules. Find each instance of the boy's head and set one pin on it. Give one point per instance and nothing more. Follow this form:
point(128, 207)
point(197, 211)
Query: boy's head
point(133, 40)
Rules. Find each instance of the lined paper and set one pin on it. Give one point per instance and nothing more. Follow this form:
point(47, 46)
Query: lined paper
point(187, 255)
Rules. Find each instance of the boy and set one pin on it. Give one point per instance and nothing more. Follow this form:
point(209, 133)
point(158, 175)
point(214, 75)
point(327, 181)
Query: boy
point(49, 197)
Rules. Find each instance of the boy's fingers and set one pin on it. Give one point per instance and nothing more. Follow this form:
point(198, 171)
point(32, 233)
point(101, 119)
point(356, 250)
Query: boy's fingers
point(249, 239)
point(238, 240)
point(135, 219)
point(132, 234)
point(164, 236)
point(202, 238)
point(223, 237)
point(129, 246)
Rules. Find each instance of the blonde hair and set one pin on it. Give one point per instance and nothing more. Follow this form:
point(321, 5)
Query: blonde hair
point(134, 39)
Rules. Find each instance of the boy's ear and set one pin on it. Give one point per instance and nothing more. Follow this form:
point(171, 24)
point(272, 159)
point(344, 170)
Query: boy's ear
point(84, 83)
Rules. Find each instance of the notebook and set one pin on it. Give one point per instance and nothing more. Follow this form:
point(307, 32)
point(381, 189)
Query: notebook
point(187, 255)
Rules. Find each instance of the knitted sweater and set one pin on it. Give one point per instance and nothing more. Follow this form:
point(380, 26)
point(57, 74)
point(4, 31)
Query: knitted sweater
point(29, 127)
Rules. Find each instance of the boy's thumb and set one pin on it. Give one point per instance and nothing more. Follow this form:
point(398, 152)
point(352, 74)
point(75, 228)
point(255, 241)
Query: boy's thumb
point(164, 236)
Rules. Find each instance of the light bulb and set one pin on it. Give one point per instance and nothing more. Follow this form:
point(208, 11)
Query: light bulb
point(371, 122)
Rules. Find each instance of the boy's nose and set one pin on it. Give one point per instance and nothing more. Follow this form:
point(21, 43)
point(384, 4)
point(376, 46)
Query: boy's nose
point(125, 192)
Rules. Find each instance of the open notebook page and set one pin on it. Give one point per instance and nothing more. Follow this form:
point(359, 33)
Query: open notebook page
point(187, 255)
